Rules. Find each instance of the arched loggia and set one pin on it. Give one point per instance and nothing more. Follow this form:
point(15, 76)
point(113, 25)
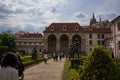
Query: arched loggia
point(51, 43)
point(77, 38)
point(64, 43)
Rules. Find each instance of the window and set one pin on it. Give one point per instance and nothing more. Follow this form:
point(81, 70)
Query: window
point(90, 28)
point(90, 49)
point(64, 28)
point(90, 42)
point(76, 28)
point(118, 26)
point(19, 42)
point(103, 36)
point(119, 45)
point(24, 42)
point(39, 42)
point(29, 42)
point(98, 42)
point(40, 50)
point(90, 36)
point(103, 43)
point(98, 36)
point(52, 28)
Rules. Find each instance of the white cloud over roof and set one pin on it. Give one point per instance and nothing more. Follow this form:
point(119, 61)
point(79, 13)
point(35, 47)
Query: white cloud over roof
point(37, 14)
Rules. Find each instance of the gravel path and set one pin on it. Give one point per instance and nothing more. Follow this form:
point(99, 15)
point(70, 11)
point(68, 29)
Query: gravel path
point(51, 71)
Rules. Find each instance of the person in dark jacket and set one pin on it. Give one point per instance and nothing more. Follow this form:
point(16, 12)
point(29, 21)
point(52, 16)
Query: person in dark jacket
point(20, 66)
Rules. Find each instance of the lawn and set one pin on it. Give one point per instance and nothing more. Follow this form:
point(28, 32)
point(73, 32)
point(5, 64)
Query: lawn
point(27, 60)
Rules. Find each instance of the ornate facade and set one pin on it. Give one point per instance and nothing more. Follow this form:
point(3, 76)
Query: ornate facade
point(59, 36)
point(27, 41)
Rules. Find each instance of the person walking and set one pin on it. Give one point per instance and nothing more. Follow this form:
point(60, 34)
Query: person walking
point(34, 54)
point(45, 57)
point(8, 64)
point(60, 56)
point(54, 56)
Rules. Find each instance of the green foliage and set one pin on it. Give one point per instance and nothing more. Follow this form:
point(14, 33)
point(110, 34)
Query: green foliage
point(117, 61)
point(21, 52)
point(98, 65)
point(0, 42)
point(7, 39)
point(3, 50)
point(27, 60)
point(70, 74)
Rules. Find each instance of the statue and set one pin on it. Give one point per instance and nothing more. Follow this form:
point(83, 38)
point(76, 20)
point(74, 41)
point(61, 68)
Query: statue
point(74, 55)
point(34, 54)
point(74, 50)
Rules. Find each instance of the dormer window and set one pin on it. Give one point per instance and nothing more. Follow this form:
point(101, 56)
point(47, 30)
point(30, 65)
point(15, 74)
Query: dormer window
point(52, 28)
point(76, 28)
point(64, 28)
point(90, 28)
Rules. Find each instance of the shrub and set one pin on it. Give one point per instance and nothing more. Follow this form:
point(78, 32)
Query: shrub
point(27, 60)
point(69, 73)
point(98, 65)
point(3, 50)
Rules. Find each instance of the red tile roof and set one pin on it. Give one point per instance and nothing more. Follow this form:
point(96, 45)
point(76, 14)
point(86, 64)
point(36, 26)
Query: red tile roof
point(103, 23)
point(70, 28)
point(32, 35)
point(58, 27)
point(23, 34)
point(97, 30)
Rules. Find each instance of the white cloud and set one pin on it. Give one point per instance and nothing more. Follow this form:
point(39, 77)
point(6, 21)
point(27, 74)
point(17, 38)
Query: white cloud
point(26, 13)
point(79, 15)
point(106, 15)
point(40, 13)
point(81, 18)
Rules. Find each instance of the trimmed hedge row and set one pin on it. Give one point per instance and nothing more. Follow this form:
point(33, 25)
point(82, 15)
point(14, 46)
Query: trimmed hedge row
point(69, 73)
point(27, 60)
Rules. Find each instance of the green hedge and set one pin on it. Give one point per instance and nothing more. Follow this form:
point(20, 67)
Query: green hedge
point(70, 74)
point(27, 60)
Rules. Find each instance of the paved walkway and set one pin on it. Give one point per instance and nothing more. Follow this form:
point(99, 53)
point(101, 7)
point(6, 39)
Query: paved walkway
point(51, 71)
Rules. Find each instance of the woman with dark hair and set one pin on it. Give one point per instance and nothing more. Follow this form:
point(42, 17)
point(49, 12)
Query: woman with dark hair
point(8, 64)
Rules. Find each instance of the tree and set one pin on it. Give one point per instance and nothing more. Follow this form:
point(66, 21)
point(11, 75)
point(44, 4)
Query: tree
point(0, 42)
point(98, 65)
point(3, 50)
point(7, 39)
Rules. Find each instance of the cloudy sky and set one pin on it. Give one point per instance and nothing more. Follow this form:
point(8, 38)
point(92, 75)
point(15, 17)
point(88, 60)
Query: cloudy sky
point(35, 15)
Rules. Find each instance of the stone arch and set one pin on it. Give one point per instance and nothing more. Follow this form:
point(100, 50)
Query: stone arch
point(51, 43)
point(64, 43)
point(76, 38)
